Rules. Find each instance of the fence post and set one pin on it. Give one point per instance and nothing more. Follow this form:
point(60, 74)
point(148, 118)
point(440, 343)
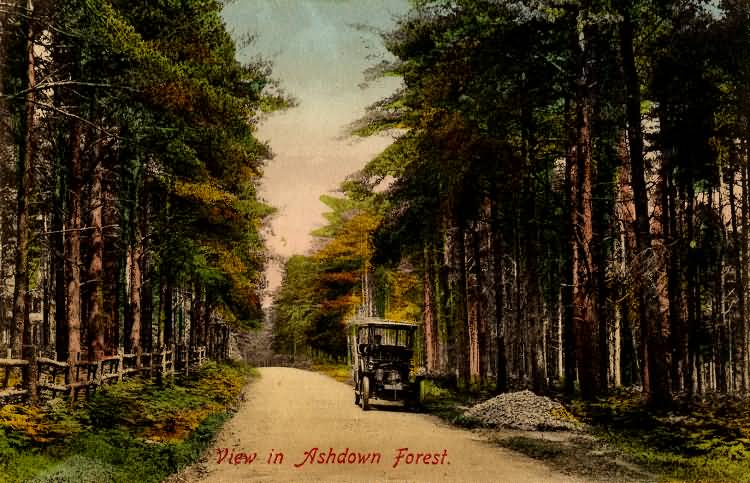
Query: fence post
point(99, 372)
point(138, 361)
point(120, 363)
point(31, 372)
point(70, 374)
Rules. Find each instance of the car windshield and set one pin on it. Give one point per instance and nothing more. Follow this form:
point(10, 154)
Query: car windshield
point(390, 336)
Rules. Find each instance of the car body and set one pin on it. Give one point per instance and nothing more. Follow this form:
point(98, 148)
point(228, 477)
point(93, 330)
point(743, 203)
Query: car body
point(381, 353)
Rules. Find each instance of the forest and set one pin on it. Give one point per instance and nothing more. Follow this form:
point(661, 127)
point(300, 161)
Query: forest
point(565, 204)
point(129, 167)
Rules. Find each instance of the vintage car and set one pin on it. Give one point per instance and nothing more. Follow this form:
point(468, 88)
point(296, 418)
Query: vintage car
point(381, 353)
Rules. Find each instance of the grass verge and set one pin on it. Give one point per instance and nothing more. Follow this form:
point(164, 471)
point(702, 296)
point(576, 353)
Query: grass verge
point(694, 441)
point(135, 431)
point(340, 372)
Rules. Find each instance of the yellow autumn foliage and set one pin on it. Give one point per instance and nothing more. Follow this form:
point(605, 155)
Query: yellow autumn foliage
point(207, 193)
point(353, 241)
point(35, 424)
point(179, 424)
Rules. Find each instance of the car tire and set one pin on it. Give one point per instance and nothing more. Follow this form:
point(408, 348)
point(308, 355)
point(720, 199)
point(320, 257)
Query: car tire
point(365, 393)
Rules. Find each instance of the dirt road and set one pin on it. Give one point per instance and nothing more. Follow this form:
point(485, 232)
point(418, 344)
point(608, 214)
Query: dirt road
point(312, 430)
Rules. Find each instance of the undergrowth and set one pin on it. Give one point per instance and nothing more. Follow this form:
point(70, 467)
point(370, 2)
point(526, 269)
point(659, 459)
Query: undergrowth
point(135, 431)
point(706, 441)
point(449, 404)
point(691, 441)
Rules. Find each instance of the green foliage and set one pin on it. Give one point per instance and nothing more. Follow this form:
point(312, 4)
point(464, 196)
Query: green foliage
point(174, 113)
point(34, 425)
point(135, 431)
point(692, 440)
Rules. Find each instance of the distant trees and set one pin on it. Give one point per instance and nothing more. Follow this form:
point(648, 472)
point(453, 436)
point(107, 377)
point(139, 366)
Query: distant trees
point(571, 190)
point(320, 291)
point(133, 145)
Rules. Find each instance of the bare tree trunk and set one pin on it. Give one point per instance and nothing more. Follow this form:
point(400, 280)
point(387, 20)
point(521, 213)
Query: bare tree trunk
point(483, 250)
point(455, 253)
point(112, 266)
point(585, 317)
point(196, 319)
point(430, 316)
point(73, 243)
point(693, 371)
point(473, 290)
point(572, 262)
point(499, 281)
point(744, 322)
point(58, 264)
point(20, 329)
point(136, 258)
point(95, 317)
point(720, 323)
point(738, 277)
point(147, 336)
point(45, 264)
point(167, 301)
point(584, 303)
point(653, 311)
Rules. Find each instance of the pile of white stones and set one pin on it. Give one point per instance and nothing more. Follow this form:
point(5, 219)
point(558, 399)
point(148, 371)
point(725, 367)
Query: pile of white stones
point(524, 410)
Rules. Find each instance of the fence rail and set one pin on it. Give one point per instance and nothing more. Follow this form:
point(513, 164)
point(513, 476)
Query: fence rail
point(38, 377)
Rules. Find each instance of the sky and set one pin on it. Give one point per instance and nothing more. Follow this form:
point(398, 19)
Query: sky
point(319, 50)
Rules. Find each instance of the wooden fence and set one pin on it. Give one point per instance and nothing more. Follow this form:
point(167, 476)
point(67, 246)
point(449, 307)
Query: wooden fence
point(38, 377)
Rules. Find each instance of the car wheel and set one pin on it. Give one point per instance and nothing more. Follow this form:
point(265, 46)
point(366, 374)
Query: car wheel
point(365, 394)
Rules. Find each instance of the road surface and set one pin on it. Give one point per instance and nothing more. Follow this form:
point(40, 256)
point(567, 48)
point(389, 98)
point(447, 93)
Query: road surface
point(288, 413)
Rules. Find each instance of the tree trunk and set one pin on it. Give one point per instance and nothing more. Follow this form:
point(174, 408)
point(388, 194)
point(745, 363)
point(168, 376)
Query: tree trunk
point(73, 243)
point(654, 311)
point(501, 365)
point(455, 253)
point(196, 319)
point(46, 267)
point(167, 292)
point(484, 266)
point(430, 316)
point(664, 271)
point(585, 318)
point(20, 329)
point(572, 261)
point(744, 322)
point(146, 290)
point(474, 296)
point(95, 316)
point(136, 258)
point(112, 266)
point(58, 263)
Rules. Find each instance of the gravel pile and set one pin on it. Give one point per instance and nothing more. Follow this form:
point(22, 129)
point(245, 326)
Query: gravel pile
point(524, 410)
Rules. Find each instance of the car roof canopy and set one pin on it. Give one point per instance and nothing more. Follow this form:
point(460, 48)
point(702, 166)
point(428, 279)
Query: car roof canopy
point(380, 322)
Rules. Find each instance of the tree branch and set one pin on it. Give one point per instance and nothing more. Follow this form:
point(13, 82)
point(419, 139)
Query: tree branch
point(73, 116)
point(48, 85)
